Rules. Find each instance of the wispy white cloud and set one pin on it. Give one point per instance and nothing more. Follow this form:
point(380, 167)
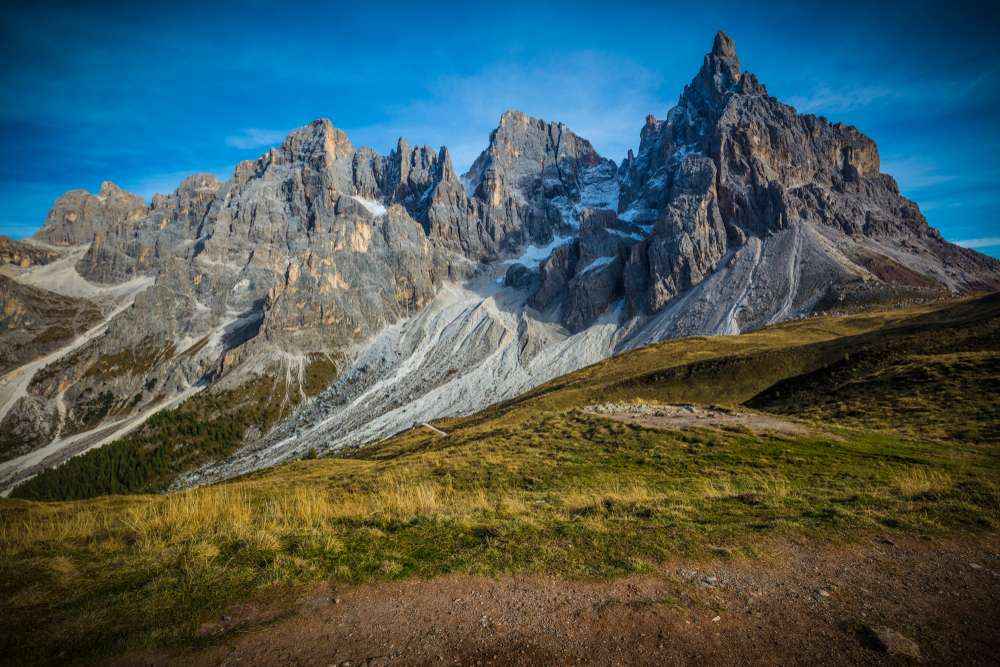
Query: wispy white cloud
point(988, 242)
point(824, 100)
point(600, 97)
point(255, 138)
point(915, 172)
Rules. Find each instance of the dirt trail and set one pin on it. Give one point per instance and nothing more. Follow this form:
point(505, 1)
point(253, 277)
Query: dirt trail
point(714, 417)
point(943, 597)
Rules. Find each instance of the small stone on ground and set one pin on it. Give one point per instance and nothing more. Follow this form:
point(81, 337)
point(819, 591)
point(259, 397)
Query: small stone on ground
point(892, 642)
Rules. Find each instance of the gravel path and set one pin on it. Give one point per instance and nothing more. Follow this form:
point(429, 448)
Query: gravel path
point(811, 605)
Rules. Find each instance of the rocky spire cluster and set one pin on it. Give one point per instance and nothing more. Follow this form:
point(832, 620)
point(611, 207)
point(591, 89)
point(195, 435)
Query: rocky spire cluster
point(736, 211)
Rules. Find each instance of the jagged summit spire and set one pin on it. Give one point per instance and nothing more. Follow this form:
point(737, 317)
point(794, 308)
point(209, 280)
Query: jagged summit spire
point(718, 76)
point(724, 45)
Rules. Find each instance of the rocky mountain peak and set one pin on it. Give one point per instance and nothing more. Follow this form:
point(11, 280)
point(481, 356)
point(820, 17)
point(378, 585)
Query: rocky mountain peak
point(410, 174)
point(121, 251)
point(447, 171)
point(520, 142)
point(318, 140)
point(749, 85)
point(724, 46)
point(513, 118)
point(199, 183)
point(719, 74)
point(109, 189)
point(734, 213)
point(732, 167)
point(540, 166)
point(77, 216)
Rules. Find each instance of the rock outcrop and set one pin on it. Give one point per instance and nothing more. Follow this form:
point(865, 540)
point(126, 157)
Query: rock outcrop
point(23, 255)
point(605, 245)
point(34, 322)
point(556, 272)
point(735, 212)
point(78, 215)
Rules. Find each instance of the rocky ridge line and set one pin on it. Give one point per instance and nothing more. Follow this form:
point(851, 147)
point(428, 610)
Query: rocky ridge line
point(736, 212)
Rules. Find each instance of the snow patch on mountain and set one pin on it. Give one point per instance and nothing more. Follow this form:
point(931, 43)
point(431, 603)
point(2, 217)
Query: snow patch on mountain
point(599, 187)
point(596, 264)
point(468, 182)
point(631, 235)
point(374, 207)
point(534, 255)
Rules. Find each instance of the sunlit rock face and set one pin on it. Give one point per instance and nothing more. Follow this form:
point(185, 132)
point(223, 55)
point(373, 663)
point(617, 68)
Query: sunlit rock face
point(78, 215)
point(731, 163)
point(735, 212)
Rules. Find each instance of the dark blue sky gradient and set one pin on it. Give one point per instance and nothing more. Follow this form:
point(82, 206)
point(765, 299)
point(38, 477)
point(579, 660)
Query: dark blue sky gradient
point(143, 94)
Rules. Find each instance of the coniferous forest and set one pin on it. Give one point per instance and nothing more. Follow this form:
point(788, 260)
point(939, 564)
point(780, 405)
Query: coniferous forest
point(206, 427)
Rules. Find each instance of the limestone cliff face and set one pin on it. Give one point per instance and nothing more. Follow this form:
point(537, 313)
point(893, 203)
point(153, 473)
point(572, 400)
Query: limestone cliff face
point(730, 163)
point(288, 250)
point(78, 215)
point(318, 245)
point(533, 180)
point(735, 212)
point(23, 255)
point(314, 247)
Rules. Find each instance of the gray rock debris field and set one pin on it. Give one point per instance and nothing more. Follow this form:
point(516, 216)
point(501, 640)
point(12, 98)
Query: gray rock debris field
point(736, 212)
point(651, 410)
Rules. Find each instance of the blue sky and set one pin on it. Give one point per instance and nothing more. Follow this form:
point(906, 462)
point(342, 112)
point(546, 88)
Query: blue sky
point(144, 94)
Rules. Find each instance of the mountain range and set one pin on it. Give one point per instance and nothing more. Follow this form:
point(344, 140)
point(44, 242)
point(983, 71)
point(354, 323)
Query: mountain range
point(326, 297)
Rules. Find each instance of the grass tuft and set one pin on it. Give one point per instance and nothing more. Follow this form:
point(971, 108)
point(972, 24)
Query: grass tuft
point(920, 483)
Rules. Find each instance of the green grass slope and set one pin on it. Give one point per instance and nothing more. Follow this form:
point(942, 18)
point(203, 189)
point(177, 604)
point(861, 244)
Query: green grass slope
point(537, 485)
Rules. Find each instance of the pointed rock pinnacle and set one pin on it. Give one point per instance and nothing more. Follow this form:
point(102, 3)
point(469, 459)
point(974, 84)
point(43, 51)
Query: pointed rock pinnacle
point(724, 45)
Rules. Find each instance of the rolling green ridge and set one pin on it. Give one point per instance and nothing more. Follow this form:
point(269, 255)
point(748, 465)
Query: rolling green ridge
point(893, 438)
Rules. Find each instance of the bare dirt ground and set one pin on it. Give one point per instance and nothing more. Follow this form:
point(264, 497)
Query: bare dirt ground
point(942, 596)
point(708, 416)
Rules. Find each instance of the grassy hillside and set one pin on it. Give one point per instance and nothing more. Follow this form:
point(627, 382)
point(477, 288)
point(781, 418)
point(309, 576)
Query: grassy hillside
point(537, 485)
point(732, 370)
point(939, 382)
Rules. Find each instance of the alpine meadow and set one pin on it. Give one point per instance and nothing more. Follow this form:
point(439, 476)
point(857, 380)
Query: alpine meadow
point(729, 401)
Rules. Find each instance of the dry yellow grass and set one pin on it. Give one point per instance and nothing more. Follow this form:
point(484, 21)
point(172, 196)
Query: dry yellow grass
point(918, 482)
point(771, 487)
point(503, 493)
point(257, 514)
